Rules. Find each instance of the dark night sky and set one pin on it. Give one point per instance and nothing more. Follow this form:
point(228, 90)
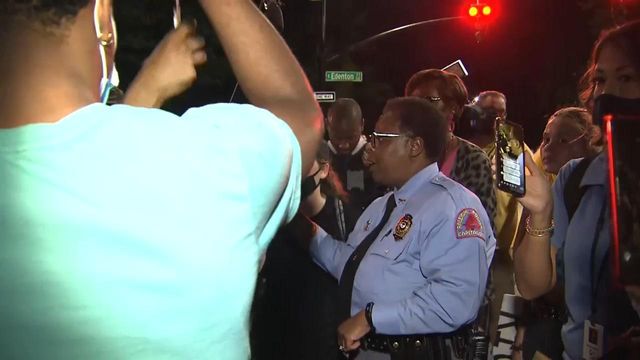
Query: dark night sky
point(534, 51)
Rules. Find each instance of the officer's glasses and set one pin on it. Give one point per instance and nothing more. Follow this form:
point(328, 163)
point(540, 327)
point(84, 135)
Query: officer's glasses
point(377, 137)
point(433, 99)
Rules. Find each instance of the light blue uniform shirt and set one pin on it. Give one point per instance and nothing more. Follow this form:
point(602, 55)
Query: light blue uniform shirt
point(574, 240)
point(131, 233)
point(428, 279)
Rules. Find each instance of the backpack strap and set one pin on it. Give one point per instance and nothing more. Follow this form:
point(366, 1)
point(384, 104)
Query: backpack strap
point(573, 193)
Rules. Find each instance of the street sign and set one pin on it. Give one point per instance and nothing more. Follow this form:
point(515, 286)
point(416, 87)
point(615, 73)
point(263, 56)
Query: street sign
point(325, 96)
point(343, 76)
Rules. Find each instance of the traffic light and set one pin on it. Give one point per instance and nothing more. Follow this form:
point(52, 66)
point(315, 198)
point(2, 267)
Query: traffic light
point(480, 11)
point(481, 14)
point(473, 11)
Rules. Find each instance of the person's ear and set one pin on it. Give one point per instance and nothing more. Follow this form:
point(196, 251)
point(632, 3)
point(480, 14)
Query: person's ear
point(416, 146)
point(324, 170)
point(451, 124)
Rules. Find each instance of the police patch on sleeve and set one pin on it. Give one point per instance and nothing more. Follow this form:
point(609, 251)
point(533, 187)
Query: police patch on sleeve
point(469, 225)
point(403, 227)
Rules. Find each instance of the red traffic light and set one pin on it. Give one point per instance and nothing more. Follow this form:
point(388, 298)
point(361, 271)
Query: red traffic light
point(481, 11)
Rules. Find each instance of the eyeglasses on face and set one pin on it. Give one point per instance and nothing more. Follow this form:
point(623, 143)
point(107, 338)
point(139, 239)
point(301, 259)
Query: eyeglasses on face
point(433, 99)
point(546, 140)
point(376, 137)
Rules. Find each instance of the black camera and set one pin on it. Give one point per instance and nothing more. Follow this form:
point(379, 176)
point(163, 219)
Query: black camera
point(476, 120)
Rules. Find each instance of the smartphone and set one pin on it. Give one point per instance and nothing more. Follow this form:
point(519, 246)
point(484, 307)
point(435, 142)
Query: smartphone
point(510, 170)
point(621, 124)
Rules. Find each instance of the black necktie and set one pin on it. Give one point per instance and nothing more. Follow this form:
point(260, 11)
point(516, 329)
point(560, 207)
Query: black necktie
point(351, 267)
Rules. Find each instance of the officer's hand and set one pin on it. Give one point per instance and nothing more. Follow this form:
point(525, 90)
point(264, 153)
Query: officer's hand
point(351, 331)
point(169, 70)
point(538, 198)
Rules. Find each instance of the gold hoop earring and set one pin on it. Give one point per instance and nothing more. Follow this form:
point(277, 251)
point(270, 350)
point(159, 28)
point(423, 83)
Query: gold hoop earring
point(106, 39)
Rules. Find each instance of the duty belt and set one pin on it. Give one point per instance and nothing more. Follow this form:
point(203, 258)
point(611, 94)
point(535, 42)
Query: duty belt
point(428, 347)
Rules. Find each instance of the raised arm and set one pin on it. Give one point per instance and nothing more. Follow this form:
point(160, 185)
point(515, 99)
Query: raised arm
point(535, 257)
point(267, 71)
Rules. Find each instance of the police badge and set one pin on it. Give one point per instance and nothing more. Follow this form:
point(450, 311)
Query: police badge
point(403, 227)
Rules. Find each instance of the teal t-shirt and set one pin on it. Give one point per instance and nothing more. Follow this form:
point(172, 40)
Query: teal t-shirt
point(132, 233)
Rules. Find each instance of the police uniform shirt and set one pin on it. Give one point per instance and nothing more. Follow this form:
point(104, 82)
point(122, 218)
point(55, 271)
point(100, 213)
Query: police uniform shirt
point(427, 269)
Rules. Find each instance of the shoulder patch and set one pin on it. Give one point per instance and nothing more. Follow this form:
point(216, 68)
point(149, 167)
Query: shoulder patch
point(469, 225)
point(402, 227)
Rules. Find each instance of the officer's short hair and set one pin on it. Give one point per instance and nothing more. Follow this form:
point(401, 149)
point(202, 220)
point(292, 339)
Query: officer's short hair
point(419, 118)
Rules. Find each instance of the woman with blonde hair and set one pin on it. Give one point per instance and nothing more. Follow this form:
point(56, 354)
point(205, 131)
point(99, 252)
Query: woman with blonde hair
point(569, 134)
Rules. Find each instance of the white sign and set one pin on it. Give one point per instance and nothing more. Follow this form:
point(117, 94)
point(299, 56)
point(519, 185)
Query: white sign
point(325, 96)
point(457, 67)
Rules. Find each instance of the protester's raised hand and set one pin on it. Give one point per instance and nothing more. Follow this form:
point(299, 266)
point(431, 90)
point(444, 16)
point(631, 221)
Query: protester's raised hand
point(169, 70)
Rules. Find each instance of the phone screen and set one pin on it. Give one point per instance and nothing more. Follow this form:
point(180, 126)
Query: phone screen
point(510, 172)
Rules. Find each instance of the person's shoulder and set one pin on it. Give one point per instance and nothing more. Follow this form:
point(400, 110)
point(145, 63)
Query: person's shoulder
point(230, 112)
point(141, 113)
point(565, 172)
point(457, 195)
point(472, 150)
point(380, 201)
point(255, 123)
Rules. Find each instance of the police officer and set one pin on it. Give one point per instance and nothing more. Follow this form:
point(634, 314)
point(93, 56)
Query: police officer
point(413, 271)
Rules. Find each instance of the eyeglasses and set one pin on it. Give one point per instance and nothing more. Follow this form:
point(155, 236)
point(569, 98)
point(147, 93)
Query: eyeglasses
point(376, 137)
point(546, 140)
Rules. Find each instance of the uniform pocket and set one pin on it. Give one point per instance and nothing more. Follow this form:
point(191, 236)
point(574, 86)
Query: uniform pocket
point(389, 248)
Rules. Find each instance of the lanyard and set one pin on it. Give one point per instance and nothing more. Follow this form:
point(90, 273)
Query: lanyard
point(342, 227)
point(592, 266)
point(595, 281)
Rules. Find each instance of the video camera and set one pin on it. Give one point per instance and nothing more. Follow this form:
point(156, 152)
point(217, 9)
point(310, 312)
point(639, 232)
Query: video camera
point(476, 120)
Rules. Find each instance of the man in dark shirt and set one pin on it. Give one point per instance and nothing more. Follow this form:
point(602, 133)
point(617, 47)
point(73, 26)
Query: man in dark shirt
point(345, 125)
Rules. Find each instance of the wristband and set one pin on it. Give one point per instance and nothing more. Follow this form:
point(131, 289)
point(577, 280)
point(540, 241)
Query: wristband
point(367, 315)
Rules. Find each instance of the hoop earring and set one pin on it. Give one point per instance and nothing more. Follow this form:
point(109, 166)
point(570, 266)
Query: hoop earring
point(106, 39)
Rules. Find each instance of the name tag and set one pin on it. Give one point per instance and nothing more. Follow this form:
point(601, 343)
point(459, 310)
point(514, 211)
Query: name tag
point(593, 341)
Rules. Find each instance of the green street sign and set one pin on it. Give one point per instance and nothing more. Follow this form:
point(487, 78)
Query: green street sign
point(343, 76)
